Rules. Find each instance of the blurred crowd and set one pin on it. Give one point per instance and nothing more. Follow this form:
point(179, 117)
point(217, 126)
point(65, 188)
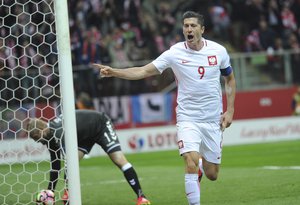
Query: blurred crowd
point(122, 32)
point(119, 32)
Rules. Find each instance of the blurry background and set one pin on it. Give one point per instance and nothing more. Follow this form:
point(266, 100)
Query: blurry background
point(261, 36)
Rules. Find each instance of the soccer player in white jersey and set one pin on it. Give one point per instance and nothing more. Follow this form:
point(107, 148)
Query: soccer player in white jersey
point(197, 64)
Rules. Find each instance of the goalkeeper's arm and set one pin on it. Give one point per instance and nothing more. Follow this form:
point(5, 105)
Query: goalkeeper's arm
point(55, 166)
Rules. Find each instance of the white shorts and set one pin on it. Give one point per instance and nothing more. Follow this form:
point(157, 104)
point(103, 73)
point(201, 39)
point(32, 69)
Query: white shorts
point(204, 138)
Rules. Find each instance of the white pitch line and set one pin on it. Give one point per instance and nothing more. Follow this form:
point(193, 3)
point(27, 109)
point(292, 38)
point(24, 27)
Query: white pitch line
point(107, 182)
point(281, 167)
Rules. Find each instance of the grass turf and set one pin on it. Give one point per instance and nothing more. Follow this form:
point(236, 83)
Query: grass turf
point(243, 179)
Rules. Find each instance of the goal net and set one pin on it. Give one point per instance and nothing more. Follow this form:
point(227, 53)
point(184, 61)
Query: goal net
point(30, 86)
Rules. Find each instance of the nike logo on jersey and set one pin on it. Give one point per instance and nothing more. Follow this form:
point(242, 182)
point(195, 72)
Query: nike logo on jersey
point(189, 193)
point(184, 61)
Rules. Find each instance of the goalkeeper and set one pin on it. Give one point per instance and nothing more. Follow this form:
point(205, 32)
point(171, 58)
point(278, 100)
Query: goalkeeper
point(92, 128)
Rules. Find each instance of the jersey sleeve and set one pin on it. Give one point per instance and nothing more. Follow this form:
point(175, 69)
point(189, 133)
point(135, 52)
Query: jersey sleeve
point(162, 61)
point(225, 66)
point(225, 62)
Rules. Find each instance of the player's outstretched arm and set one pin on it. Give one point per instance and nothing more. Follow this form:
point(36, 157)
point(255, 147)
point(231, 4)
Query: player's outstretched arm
point(133, 73)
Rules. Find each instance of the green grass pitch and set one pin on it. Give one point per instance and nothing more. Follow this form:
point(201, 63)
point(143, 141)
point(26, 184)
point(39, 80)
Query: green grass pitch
point(258, 174)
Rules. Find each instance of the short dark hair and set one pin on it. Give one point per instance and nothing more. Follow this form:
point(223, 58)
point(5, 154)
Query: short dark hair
point(193, 14)
point(34, 127)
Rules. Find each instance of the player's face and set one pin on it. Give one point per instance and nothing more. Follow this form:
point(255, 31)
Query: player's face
point(192, 30)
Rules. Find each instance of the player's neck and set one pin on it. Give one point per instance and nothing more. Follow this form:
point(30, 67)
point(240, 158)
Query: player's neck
point(197, 46)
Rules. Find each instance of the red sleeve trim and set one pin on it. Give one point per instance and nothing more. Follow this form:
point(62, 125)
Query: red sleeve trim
point(185, 45)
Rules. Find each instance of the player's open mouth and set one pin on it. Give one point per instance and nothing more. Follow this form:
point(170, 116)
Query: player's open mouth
point(190, 37)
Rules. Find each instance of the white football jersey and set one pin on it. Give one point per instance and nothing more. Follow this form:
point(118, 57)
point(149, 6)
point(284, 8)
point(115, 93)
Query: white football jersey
point(197, 76)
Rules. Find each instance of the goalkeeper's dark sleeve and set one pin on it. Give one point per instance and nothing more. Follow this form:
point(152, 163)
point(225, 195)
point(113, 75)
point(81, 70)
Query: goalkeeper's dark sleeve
point(55, 165)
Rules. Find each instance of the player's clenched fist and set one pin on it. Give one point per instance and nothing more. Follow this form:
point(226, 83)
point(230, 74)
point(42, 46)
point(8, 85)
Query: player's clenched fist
point(105, 71)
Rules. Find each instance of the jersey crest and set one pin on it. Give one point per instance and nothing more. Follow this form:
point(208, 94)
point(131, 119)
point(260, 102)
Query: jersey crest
point(212, 60)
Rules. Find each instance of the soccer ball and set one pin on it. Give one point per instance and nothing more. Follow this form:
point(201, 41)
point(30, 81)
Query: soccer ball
point(45, 197)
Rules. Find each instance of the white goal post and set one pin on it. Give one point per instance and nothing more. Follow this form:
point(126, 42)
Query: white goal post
point(65, 69)
point(36, 80)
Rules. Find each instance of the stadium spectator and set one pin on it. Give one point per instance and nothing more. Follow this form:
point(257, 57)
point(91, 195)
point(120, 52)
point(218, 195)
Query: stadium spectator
point(252, 42)
point(91, 47)
point(275, 59)
point(132, 11)
point(260, 39)
point(200, 117)
point(295, 7)
point(221, 21)
point(294, 45)
point(166, 23)
point(266, 35)
point(288, 19)
point(296, 102)
point(92, 128)
point(254, 12)
point(273, 16)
